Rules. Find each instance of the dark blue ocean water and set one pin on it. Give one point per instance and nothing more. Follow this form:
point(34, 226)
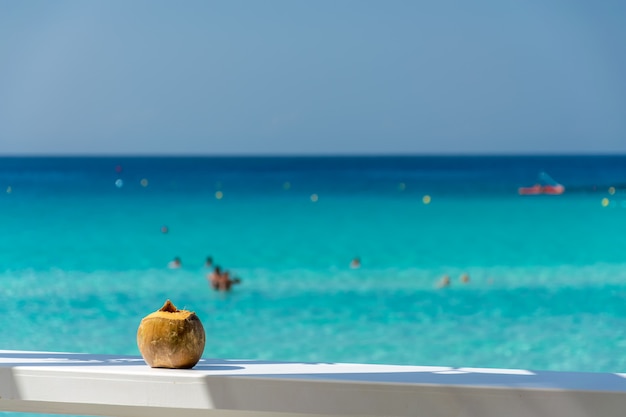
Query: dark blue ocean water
point(83, 257)
point(342, 175)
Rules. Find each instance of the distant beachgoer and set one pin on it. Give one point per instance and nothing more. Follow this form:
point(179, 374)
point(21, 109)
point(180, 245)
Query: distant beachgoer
point(208, 262)
point(175, 263)
point(214, 277)
point(226, 282)
point(444, 282)
point(221, 281)
point(164, 229)
point(465, 279)
point(356, 263)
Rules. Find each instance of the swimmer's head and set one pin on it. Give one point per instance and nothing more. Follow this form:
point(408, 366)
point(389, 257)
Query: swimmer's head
point(175, 263)
point(445, 281)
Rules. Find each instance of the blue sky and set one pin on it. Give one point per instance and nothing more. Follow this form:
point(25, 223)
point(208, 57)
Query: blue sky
point(312, 77)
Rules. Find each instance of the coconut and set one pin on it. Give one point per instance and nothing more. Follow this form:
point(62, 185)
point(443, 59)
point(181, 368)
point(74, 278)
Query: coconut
point(171, 338)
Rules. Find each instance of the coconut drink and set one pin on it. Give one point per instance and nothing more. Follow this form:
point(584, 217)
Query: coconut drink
point(171, 338)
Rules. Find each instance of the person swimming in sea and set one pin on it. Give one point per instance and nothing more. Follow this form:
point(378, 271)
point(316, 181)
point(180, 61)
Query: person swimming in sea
point(175, 263)
point(356, 263)
point(214, 277)
point(444, 282)
point(221, 281)
point(225, 282)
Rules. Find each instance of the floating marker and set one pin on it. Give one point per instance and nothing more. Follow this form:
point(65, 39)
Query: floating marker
point(426, 199)
point(287, 185)
point(144, 182)
point(314, 198)
point(605, 202)
point(611, 190)
point(9, 189)
point(119, 183)
point(402, 186)
point(219, 195)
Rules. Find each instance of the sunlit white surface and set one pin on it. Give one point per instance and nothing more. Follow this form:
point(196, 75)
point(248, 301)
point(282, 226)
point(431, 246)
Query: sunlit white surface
point(49, 382)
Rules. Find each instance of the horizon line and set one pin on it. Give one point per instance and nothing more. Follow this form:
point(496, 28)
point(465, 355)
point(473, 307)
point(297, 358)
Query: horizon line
point(309, 155)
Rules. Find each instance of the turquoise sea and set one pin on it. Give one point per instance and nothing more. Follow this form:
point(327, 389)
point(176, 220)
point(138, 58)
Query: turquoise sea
point(83, 257)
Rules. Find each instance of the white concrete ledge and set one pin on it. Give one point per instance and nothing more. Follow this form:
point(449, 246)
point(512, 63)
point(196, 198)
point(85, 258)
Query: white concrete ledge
point(82, 384)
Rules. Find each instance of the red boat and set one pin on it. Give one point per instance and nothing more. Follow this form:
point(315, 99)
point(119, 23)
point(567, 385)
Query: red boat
point(546, 185)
